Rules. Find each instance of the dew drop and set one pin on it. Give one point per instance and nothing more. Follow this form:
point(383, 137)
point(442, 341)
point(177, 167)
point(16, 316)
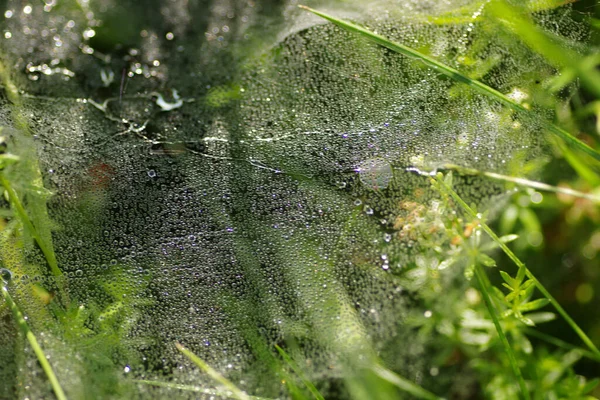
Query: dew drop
point(6, 275)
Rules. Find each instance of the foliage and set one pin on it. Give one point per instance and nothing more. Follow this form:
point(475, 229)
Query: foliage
point(323, 212)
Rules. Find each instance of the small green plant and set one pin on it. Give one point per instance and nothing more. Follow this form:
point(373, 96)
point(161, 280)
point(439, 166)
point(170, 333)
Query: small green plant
point(252, 232)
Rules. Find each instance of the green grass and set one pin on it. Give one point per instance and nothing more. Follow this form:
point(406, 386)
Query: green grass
point(298, 313)
point(457, 76)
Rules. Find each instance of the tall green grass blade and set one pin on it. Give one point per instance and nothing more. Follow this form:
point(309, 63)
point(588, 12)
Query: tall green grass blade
point(485, 292)
point(315, 392)
point(582, 169)
point(521, 25)
point(214, 374)
point(189, 388)
point(522, 182)
point(404, 384)
point(561, 343)
point(465, 14)
point(18, 315)
point(439, 182)
point(457, 76)
point(16, 203)
point(38, 228)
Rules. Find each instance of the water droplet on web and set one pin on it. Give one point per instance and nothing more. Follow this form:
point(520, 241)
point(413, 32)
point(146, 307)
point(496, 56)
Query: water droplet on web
point(6, 275)
point(375, 174)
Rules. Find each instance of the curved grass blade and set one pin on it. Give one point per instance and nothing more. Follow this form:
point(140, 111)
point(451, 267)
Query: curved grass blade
point(237, 393)
point(439, 183)
point(60, 395)
point(189, 388)
point(485, 291)
point(300, 373)
point(455, 75)
point(403, 383)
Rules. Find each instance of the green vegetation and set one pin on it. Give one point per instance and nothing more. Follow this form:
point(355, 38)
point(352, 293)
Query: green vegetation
point(265, 201)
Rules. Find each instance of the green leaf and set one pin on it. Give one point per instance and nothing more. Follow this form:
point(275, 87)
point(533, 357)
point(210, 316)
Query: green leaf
point(486, 260)
point(511, 283)
point(534, 305)
point(524, 319)
point(590, 385)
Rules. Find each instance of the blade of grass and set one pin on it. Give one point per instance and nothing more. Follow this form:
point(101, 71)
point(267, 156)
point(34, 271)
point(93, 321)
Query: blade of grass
point(189, 388)
point(403, 383)
point(439, 182)
point(39, 232)
point(18, 315)
point(24, 217)
point(561, 343)
point(521, 182)
point(457, 76)
point(485, 292)
point(521, 25)
point(237, 393)
point(315, 392)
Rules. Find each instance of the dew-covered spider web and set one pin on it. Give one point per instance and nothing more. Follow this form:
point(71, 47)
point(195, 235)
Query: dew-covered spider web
point(231, 175)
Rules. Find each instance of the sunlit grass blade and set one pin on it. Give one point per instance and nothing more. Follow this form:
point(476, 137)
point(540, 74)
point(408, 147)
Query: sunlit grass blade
point(561, 343)
point(439, 182)
point(18, 315)
point(37, 206)
point(455, 75)
point(214, 374)
point(518, 22)
point(404, 384)
point(300, 373)
point(26, 221)
point(522, 182)
point(189, 388)
point(485, 293)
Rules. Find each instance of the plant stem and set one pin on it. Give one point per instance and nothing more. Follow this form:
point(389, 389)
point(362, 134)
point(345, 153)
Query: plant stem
point(22, 213)
point(509, 352)
point(315, 392)
point(237, 393)
point(561, 343)
point(457, 76)
point(517, 181)
point(440, 182)
point(188, 388)
point(60, 395)
point(404, 384)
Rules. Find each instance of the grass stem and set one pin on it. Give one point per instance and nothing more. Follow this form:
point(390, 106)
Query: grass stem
point(456, 76)
point(523, 182)
point(18, 315)
point(188, 388)
point(214, 374)
point(315, 392)
point(24, 217)
point(441, 184)
point(403, 383)
point(561, 343)
point(485, 292)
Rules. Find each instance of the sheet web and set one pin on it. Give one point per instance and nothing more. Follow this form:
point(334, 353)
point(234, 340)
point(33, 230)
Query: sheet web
point(235, 175)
